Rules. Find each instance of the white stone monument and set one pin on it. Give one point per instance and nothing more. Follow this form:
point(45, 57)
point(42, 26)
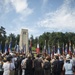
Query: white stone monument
point(24, 40)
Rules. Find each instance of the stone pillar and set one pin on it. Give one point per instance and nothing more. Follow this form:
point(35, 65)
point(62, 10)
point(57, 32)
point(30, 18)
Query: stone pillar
point(24, 40)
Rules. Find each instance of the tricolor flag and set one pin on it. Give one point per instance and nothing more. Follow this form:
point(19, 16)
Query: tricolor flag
point(45, 50)
point(15, 47)
point(24, 48)
point(73, 49)
point(53, 52)
point(69, 47)
point(48, 51)
point(63, 49)
point(37, 49)
point(10, 46)
point(58, 50)
point(6, 48)
point(30, 46)
point(0, 47)
point(66, 49)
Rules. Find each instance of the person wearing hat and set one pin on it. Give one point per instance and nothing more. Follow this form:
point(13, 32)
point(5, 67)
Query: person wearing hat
point(6, 66)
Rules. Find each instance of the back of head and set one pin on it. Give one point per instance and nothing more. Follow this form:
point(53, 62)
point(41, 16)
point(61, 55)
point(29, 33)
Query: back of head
point(48, 58)
point(67, 56)
point(57, 57)
point(29, 56)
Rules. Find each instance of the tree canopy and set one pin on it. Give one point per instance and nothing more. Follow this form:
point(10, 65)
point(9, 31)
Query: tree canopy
point(50, 38)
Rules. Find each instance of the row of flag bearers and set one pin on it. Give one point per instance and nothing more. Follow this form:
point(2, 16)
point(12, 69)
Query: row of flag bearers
point(50, 50)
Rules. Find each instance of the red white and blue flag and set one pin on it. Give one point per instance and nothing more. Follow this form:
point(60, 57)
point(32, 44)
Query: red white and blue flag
point(58, 50)
point(6, 48)
point(66, 49)
point(48, 51)
point(44, 49)
point(63, 49)
point(10, 47)
point(38, 49)
point(30, 46)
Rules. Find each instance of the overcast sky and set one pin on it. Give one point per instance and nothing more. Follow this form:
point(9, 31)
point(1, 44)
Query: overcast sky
point(38, 16)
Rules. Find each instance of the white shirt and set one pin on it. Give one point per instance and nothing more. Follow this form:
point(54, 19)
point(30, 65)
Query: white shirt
point(68, 68)
point(23, 63)
point(6, 67)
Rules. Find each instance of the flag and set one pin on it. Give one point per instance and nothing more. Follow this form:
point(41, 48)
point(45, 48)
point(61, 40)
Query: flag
point(30, 46)
point(53, 52)
point(63, 49)
point(58, 50)
point(0, 47)
point(66, 49)
point(48, 49)
point(69, 48)
point(37, 49)
point(45, 50)
point(24, 48)
point(10, 45)
point(6, 48)
point(17, 49)
point(73, 49)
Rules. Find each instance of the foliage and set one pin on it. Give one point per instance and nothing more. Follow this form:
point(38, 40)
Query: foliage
point(51, 39)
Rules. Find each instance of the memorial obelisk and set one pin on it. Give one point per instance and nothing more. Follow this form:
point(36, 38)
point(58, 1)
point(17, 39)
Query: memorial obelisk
point(24, 40)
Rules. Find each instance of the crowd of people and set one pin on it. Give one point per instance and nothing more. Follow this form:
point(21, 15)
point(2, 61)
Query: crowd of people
point(36, 64)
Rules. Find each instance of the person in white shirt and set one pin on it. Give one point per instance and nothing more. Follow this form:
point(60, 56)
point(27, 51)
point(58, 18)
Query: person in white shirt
point(6, 66)
point(68, 66)
point(23, 65)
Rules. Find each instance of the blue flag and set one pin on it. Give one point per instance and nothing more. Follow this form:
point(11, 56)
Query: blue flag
point(15, 47)
point(48, 50)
